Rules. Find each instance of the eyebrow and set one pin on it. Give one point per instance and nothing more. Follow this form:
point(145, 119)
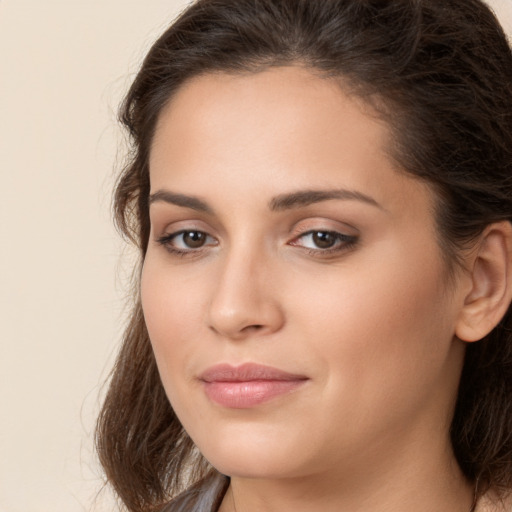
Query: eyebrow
point(306, 197)
point(281, 202)
point(194, 203)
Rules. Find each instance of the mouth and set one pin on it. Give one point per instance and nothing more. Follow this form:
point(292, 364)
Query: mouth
point(248, 385)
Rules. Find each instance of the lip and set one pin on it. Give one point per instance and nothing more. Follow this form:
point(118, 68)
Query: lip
point(247, 385)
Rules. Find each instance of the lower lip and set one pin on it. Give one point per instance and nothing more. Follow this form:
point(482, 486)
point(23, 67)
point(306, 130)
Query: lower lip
point(242, 395)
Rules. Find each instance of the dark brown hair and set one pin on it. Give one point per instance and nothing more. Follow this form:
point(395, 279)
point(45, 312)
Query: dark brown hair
point(440, 73)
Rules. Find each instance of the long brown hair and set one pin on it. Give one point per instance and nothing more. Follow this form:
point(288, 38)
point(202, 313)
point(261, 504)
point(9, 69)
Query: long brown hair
point(440, 73)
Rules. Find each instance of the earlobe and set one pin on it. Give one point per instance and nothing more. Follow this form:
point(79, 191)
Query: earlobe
point(491, 283)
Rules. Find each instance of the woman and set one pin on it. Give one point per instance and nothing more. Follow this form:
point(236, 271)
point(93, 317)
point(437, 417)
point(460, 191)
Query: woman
point(321, 193)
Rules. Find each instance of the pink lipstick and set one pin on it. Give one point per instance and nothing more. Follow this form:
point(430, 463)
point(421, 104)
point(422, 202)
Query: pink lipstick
point(248, 385)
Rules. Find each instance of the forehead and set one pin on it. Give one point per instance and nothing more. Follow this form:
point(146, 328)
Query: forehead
point(281, 110)
point(283, 127)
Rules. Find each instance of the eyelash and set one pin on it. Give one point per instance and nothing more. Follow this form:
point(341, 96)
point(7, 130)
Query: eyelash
point(343, 243)
point(166, 242)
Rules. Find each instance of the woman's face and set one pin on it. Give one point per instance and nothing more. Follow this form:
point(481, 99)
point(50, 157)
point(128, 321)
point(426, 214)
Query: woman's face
point(293, 288)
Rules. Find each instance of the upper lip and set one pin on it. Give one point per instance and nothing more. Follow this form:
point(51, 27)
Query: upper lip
point(245, 373)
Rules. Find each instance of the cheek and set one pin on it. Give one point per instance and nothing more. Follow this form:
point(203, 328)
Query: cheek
point(383, 331)
point(171, 314)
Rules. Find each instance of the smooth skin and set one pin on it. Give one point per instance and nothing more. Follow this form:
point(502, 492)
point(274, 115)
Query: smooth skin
point(347, 287)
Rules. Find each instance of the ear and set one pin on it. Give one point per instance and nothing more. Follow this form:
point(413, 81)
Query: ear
point(490, 292)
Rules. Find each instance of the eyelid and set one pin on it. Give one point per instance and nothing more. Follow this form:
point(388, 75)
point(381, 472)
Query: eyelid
point(316, 224)
point(171, 236)
point(345, 235)
point(166, 236)
point(342, 241)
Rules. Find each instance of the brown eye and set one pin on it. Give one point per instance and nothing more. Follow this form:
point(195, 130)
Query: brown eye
point(194, 239)
point(325, 242)
point(324, 239)
point(187, 241)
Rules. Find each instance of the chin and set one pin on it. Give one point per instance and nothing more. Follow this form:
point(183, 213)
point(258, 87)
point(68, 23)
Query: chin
point(248, 466)
point(252, 456)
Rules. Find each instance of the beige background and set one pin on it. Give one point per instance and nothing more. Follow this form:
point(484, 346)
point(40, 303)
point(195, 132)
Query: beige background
point(64, 65)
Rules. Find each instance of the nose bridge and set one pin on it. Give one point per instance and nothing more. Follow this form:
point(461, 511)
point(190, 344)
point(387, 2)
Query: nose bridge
point(244, 300)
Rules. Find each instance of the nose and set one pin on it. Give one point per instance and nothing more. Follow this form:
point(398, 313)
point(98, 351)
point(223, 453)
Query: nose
point(245, 299)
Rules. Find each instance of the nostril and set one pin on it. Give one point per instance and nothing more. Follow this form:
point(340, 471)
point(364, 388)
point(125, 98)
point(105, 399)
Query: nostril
point(255, 327)
point(251, 330)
